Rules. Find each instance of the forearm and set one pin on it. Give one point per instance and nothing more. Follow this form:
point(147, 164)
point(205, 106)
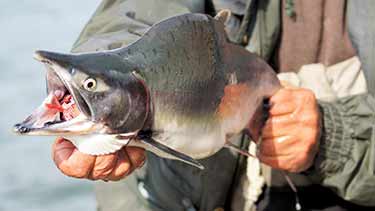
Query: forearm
point(346, 158)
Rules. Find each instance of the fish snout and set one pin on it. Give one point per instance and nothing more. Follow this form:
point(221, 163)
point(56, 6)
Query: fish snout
point(21, 128)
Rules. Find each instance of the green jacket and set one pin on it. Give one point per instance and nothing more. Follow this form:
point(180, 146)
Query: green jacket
point(346, 159)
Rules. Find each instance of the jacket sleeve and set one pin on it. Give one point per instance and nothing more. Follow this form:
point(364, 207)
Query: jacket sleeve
point(346, 159)
point(116, 23)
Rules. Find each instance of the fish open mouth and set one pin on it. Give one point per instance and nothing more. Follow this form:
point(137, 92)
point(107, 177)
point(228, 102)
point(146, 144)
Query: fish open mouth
point(62, 106)
point(64, 111)
point(65, 99)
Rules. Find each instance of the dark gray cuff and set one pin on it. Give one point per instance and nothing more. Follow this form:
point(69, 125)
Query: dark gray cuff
point(335, 142)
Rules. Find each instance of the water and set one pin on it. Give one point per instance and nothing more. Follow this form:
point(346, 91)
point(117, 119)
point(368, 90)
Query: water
point(28, 178)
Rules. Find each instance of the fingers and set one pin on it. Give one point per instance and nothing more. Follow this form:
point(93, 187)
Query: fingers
point(137, 156)
point(128, 160)
point(103, 166)
point(278, 126)
point(279, 162)
point(122, 167)
point(70, 161)
point(277, 146)
point(114, 166)
point(293, 159)
point(286, 95)
point(282, 95)
point(282, 103)
point(288, 162)
point(290, 136)
point(61, 150)
point(282, 108)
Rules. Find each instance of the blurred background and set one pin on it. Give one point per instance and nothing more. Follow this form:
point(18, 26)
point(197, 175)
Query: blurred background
point(28, 178)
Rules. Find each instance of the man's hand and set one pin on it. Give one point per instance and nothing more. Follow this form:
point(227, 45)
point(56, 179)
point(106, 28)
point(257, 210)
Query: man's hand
point(113, 166)
point(290, 137)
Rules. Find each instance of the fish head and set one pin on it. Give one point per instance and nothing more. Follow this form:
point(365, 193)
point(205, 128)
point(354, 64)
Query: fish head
point(88, 93)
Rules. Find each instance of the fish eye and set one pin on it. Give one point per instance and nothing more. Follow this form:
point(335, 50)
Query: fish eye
point(89, 84)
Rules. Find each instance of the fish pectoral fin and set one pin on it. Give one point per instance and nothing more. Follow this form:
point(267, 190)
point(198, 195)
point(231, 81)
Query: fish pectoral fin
point(164, 151)
point(239, 150)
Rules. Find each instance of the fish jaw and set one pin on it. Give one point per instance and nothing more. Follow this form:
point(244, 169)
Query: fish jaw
point(46, 121)
point(89, 137)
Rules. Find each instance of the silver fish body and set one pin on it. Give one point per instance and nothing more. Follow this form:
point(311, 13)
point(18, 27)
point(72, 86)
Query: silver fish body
point(181, 91)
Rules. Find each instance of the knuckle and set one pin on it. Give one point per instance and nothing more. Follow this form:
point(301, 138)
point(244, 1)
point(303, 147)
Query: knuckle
point(115, 176)
point(74, 170)
point(81, 173)
point(308, 94)
point(100, 174)
point(309, 120)
point(306, 97)
point(136, 157)
point(122, 174)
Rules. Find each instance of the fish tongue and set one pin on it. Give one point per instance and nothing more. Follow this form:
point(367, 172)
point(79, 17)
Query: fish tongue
point(53, 103)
